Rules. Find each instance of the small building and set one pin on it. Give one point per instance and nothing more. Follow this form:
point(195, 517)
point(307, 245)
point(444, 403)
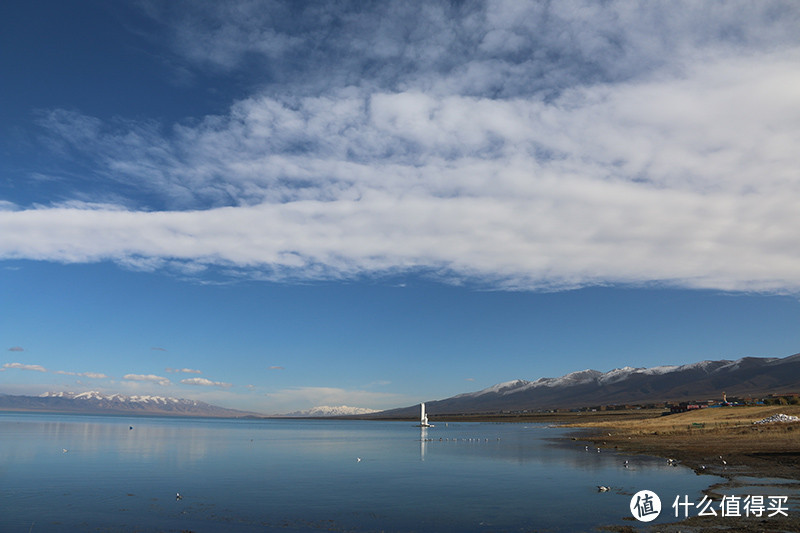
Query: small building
point(685, 406)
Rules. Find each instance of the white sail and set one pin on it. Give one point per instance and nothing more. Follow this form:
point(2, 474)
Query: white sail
point(423, 418)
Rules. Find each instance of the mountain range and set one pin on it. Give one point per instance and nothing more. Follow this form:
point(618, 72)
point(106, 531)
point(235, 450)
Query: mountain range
point(748, 376)
point(93, 402)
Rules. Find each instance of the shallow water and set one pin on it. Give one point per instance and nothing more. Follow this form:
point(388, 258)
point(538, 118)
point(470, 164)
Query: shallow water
point(305, 475)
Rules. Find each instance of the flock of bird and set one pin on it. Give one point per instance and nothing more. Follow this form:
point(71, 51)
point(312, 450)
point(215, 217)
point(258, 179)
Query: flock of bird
point(670, 461)
point(600, 488)
point(448, 439)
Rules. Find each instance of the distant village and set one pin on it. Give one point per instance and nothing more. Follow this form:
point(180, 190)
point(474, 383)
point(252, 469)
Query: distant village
point(791, 398)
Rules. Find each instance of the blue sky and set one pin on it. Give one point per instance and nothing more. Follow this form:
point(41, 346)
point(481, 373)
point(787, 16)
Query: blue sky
point(278, 205)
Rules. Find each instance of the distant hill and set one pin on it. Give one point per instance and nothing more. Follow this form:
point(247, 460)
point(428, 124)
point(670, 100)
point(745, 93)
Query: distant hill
point(749, 376)
point(93, 402)
point(326, 411)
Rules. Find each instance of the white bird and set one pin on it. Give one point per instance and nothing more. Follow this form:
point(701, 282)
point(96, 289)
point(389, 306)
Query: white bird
point(598, 450)
point(586, 448)
point(358, 459)
point(625, 463)
point(178, 496)
point(63, 450)
point(603, 488)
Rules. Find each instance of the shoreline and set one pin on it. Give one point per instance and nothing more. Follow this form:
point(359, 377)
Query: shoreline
point(764, 457)
point(694, 438)
point(721, 442)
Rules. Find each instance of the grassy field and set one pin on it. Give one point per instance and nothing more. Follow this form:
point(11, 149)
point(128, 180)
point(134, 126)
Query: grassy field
point(698, 438)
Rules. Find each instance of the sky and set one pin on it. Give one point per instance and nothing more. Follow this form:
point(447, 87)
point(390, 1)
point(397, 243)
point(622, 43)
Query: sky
point(272, 206)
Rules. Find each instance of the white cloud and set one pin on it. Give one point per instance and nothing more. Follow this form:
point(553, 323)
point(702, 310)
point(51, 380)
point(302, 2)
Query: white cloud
point(674, 163)
point(203, 382)
point(147, 378)
point(22, 366)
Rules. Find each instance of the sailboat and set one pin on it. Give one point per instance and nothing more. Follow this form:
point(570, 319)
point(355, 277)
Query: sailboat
point(423, 418)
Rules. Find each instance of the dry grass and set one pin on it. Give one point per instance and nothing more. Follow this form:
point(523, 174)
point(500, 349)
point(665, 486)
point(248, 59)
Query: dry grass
point(698, 420)
point(700, 437)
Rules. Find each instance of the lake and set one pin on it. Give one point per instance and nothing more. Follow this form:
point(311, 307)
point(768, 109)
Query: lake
point(94, 473)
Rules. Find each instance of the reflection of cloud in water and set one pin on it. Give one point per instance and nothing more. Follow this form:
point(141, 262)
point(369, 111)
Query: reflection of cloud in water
point(143, 443)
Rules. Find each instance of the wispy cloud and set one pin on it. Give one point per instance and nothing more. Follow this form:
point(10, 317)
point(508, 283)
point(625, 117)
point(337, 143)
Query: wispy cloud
point(16, 349)
point(22, 366)
point(203, 382)
point(183, 370)
point(92, 375)
point(277, 368)
point(148, 378)
point(39, 368)
point(158, 349)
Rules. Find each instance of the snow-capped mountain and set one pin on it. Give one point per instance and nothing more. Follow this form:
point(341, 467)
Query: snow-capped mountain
point(326, 411)
point(627, 385)
point(98, 403)
point(119, 398)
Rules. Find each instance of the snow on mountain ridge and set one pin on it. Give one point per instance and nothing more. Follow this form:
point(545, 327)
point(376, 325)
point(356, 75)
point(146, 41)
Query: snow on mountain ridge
point(514, 385)
point(339, 410)
point(95, 395)
point(574, 378)
point(602, 378)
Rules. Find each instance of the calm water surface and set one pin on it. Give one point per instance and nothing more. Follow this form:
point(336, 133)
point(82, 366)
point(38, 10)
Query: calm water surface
point(278, 475)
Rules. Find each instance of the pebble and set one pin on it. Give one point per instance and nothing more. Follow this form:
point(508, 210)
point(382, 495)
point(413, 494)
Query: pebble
point(778, 418)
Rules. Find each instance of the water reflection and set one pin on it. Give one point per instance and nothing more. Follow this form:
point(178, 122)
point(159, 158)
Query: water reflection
point(100, 439)
point(458, 475)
